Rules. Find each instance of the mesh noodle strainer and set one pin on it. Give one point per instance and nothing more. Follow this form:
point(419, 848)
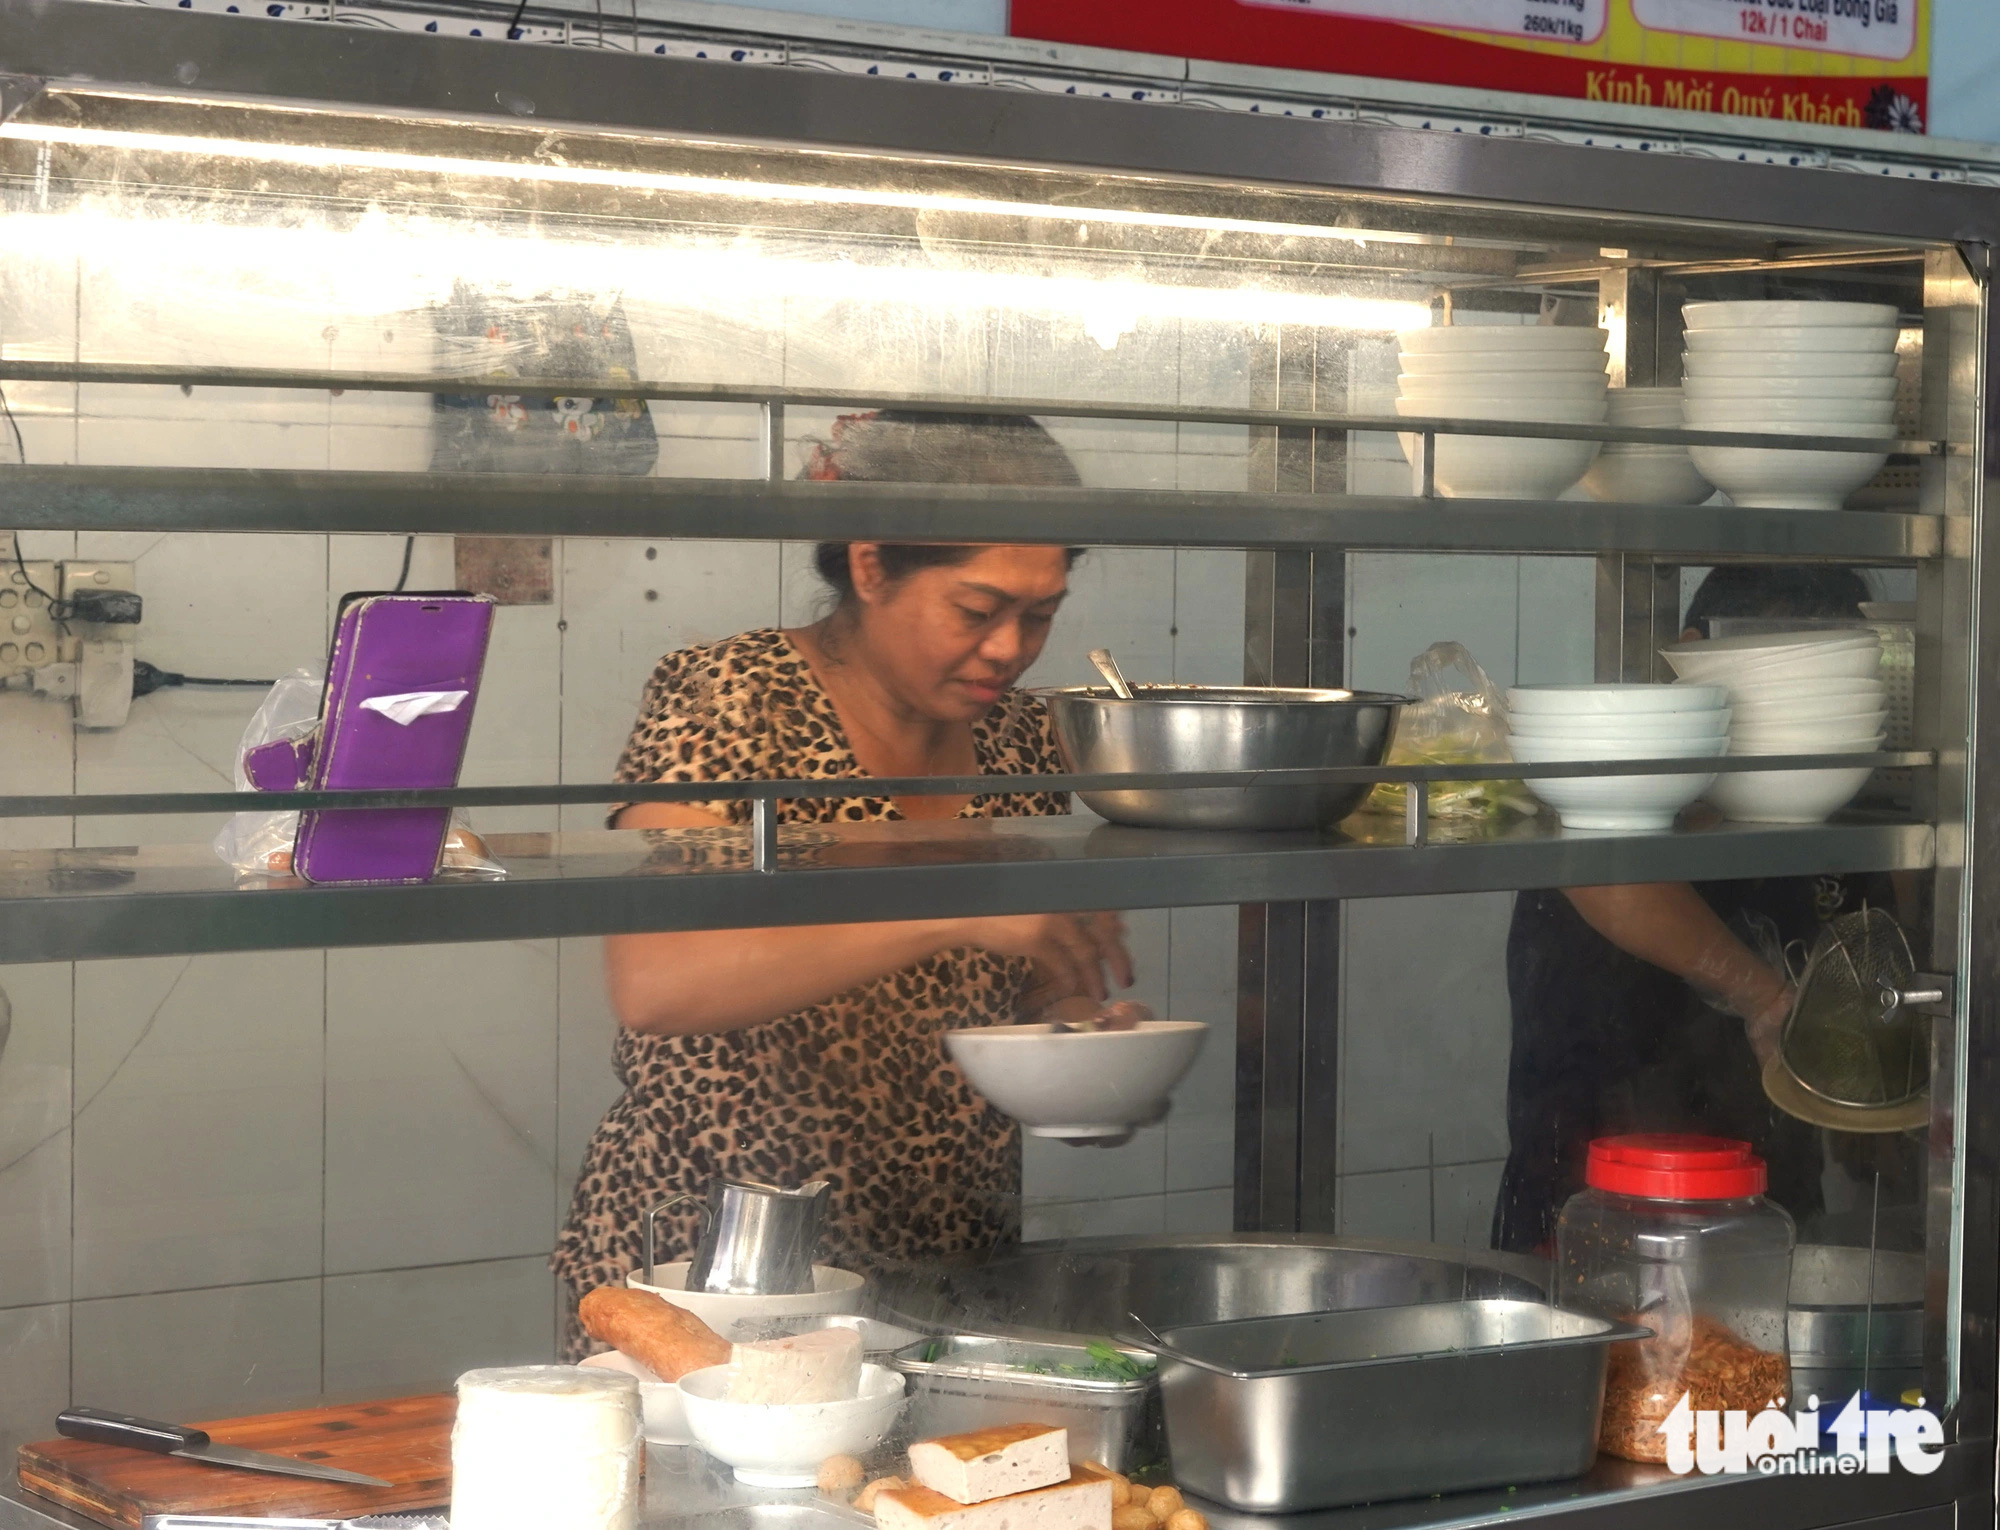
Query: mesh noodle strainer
point(1855, 1052)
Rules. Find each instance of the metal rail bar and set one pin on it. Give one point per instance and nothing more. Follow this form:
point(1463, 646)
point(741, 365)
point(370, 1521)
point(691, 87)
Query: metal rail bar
point(131, 803)
point(60, 498)
point(769, 398)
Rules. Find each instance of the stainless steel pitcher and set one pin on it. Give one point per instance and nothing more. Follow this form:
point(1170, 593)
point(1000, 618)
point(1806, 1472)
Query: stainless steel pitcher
point(759, 1239)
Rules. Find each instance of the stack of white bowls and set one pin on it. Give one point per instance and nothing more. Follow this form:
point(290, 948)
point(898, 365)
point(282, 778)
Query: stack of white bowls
point(1545, 374)
point(1633, 473)
point(1791, 368)
point(1618, 722)
point(1792, 693)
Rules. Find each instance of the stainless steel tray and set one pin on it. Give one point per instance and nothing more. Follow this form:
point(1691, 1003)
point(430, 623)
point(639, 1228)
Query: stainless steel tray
point(970, 1381)
point(1331, 1408)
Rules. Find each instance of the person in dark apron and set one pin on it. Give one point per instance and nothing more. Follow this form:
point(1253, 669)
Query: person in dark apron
point(1651, 1007)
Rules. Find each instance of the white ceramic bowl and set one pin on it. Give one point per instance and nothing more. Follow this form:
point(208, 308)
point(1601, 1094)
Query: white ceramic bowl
point(1762, 714)
point(1609, 700)
point(1506, 467)
point(1834, 338)
point(781, 1445)
point(1775, 479)
point(1638, 477)
point(1460, 338)
point(1812, 364)
point(1084, 1084)
point(1664, 729)
point(1805, 739)
point(1502, 363)
point(1763, 657)
point(662, 1416)
point(1539, 748)
point(1785, 413)
point(1630, 803)
point(833, 1291)
point(1504, 390)
point(1756, 647)
point(1786, 796)
point(1848, 663)
point(1831, 387)
point(1868, 691)
point(1767, 313)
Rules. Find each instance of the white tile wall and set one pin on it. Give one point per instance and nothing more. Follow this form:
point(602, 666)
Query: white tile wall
point(34, 1370)
point(196, 1355)
point(35, 1136)
point(397, 1331)
point(198, 1121)
point(440, 1110)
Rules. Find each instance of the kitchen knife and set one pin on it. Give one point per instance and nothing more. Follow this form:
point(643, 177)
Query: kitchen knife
point(103, 1428)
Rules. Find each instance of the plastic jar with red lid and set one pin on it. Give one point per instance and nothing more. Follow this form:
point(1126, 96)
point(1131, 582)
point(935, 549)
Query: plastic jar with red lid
point(1674, 1233)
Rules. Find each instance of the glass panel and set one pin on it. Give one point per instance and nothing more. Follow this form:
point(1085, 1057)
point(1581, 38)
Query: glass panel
point(1385, 1102)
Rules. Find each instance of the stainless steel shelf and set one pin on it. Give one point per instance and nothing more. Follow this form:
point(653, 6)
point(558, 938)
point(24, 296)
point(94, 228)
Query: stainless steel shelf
point(502, 504)
point(65, 905)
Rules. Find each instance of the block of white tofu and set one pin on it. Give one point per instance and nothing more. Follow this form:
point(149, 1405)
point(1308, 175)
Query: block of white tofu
point(821, 1366)
point(1081, 1503)
point(991, 1463)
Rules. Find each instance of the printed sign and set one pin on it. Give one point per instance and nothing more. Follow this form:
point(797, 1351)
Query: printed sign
point(1884, 29)
point(1574, 21)
point(1839, 63)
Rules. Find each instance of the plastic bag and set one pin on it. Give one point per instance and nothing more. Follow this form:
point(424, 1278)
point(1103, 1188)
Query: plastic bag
point(1459, 718)
point(260, 844)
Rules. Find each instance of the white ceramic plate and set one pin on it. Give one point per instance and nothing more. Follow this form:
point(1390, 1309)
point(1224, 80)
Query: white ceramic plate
point(1786, 313)
point(1810, 364)
point(781, 1445)
point(1083, 1084)
point(833, 1291)
point(1609, 699)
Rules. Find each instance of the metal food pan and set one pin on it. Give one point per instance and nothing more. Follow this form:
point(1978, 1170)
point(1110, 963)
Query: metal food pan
point(969, 1381)
point(1331, 1408)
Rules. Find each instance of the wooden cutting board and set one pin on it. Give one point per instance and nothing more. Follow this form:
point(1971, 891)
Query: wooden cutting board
point(405, 1440)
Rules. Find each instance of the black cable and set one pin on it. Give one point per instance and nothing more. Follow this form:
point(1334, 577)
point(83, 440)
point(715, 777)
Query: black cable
point(148, 678)
point(513, 34)
point(20, 446)
point(57, 613)
point(409, 547)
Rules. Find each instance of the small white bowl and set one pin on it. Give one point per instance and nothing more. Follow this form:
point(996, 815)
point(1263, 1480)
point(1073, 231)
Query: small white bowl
point(1836, 339)
point(1605, 700)
point(1633, 476)
point(1786, 796)
point(833, 1291)
point(1460, 338)
point(1809, 365)
point(1079, 1084)
point(1830, 388)
point(1766, 313)
point(663, 1418)
point(1630, 803)
point(781, 1445)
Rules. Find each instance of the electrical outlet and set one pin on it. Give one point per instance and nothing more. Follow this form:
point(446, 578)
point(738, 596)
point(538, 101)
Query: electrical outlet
point(92, 574)
point(28, 635)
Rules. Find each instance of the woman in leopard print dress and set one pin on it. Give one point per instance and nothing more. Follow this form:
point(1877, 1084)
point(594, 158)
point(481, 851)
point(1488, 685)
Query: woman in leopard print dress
point(783, 1055)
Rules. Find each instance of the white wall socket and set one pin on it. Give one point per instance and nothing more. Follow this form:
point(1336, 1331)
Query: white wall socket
point(28, 636)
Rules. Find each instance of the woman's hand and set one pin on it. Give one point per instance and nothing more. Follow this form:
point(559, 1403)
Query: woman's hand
point(1765, 1025)
point(1071, 952)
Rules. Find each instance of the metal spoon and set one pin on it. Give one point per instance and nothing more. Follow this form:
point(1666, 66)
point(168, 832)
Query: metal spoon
point(1108, 667)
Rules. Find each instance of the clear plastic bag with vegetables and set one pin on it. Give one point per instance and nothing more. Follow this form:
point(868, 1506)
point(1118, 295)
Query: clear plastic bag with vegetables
point(1459, 718)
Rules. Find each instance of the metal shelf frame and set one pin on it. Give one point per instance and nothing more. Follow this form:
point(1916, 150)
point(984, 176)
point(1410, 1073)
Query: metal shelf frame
point(59, 904)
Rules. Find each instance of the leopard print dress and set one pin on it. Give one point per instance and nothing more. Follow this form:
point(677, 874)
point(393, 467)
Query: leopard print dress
point(856, 1090)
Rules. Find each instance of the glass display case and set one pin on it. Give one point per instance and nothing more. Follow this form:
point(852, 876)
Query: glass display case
point(605, 338)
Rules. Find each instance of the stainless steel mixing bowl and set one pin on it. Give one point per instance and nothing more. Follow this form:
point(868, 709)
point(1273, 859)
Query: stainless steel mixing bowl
point(1211, 727)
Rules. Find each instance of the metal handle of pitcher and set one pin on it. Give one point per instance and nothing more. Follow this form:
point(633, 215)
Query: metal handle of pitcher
point(668, 1205)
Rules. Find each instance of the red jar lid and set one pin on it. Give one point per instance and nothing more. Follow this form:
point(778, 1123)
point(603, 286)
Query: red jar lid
point(1674, 1168)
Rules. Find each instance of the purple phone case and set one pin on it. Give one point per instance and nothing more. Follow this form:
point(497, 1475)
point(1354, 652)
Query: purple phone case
point(388, 645)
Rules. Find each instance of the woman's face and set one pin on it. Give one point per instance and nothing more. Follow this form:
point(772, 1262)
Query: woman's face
point(949, 640)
